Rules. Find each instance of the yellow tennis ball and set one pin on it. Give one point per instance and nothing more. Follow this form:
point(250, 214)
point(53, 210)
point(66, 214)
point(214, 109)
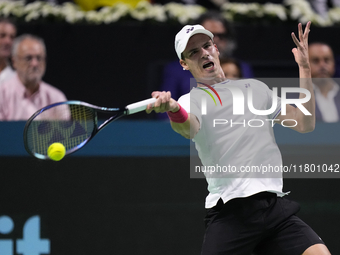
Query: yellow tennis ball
point(56, 151)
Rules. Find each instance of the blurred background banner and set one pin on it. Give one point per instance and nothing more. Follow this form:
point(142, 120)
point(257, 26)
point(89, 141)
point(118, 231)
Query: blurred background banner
point(101, 201)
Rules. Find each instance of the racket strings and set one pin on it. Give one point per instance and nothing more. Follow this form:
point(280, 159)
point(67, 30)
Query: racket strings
point(70, 125)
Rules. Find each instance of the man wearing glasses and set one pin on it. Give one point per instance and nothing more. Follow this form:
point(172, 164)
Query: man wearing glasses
point(25, 93)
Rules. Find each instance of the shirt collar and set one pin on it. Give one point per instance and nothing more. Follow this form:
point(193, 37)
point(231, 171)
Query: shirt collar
point(22, 89)
point(331, 93)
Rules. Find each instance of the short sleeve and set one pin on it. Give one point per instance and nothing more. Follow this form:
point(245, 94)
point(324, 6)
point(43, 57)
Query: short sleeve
point(184, 101)
point(190, 106)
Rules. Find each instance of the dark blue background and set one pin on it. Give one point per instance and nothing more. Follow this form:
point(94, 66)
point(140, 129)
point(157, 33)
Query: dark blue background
point(129, 190)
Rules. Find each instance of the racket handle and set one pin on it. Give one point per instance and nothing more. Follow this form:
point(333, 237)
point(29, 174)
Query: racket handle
point(139, 106)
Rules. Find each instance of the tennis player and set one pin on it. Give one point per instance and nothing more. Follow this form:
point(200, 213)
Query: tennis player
point(246, 214)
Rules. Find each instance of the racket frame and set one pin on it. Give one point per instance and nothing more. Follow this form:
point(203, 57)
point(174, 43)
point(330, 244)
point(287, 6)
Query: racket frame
point(120, 113)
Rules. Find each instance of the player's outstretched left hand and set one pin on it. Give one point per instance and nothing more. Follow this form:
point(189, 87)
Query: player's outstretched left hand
point(301, 50)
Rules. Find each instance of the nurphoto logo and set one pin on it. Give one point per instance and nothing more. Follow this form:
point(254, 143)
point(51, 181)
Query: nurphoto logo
point(239, 102)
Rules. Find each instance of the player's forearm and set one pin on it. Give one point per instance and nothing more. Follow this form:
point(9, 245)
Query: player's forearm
point(187, 129)
point(304, 71)
point(306, 122)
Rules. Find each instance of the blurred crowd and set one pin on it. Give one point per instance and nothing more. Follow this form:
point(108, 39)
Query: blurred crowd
point(23, 64)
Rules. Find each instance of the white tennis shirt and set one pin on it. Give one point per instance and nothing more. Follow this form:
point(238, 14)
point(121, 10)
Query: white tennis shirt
point(243, 142)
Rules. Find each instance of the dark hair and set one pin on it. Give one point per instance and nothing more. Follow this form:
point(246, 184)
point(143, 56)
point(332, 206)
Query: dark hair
point(319, 42)
point(217, 16)
point(8, 21)
point(322, 43)
point(232, 61)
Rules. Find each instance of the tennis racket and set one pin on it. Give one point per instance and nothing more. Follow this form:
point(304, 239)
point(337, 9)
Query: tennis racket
point(72, 123)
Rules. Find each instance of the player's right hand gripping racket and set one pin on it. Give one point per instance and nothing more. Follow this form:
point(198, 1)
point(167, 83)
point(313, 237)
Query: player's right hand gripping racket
point(72, 123)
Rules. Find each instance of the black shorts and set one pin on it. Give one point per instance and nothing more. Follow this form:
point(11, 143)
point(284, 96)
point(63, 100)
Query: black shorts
point(262, 224)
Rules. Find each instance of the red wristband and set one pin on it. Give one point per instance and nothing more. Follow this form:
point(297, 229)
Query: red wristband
point(179, 117)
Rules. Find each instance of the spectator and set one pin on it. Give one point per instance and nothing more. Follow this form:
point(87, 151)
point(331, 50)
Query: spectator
point(337, 66)
point(177, 81)
point(224, 36)
point(231, 68)
point(25, 92)
point(7, 34)
point(327, 93)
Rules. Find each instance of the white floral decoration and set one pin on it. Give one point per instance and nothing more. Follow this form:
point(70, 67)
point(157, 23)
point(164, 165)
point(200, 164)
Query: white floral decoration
point(334, 15)
point(302, 11)
point(71, 13)
point(183, 13)
point(275, 10)
point(145, 10)
point(293, 10)
point(14, 8)
point(242, 9)
point(254, 10)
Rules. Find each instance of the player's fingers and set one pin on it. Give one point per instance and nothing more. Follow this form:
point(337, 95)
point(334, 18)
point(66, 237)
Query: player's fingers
point(294, 50)
point(155, 94)
point(164, 107)
point(168, 96)
point(165, 101)
point(149, 108)
point(307, 29)
point(306, 34)
point(157, 106)
point(161, 106)
point(296, 41)
point(158, 102)
point(162, 102)
point(164, 97)
point(300, 32)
